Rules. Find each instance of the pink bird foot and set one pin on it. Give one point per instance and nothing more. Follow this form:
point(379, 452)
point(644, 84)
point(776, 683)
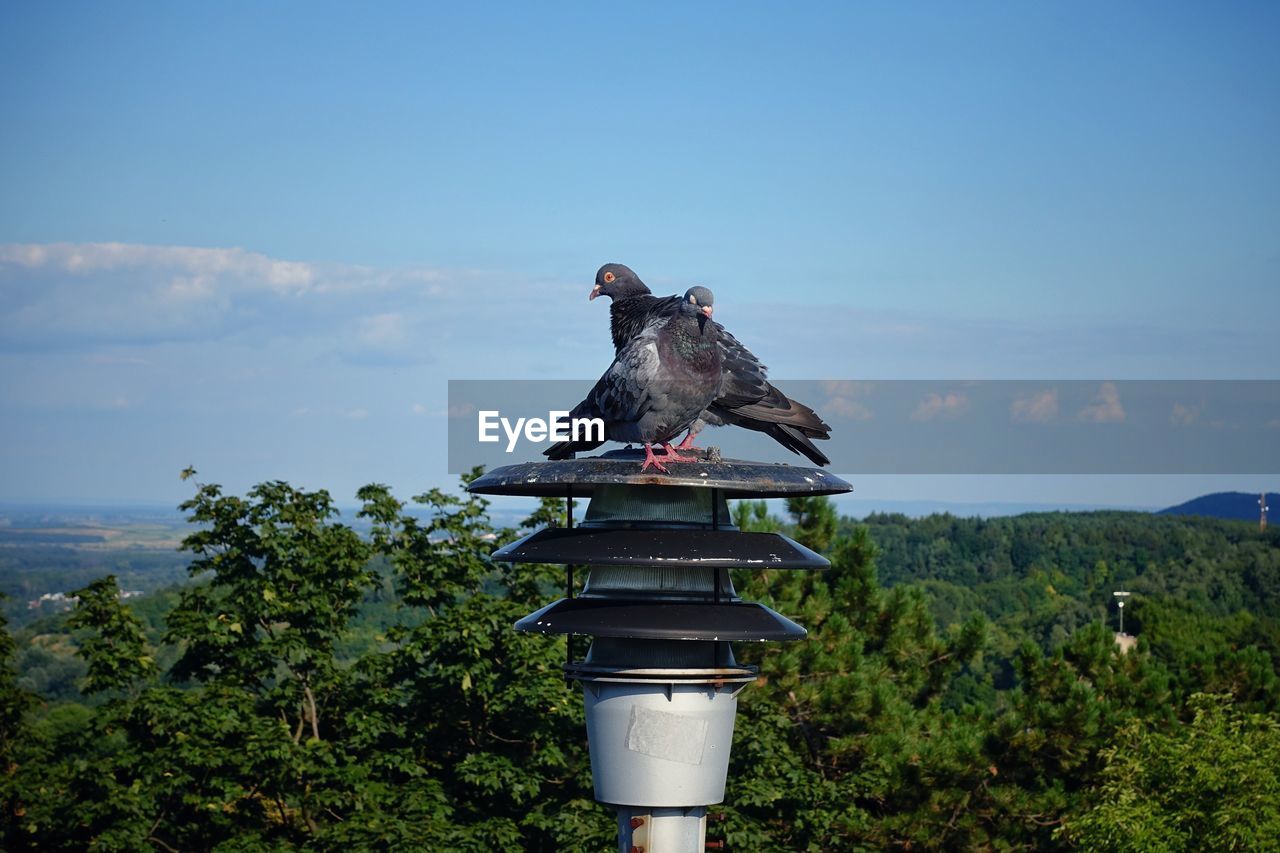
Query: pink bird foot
point(669, 455)
point(687, 444)
point(650, 459)
point(672, 456)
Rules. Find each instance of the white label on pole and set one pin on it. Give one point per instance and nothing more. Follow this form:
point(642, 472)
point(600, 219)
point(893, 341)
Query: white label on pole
point(662, 734)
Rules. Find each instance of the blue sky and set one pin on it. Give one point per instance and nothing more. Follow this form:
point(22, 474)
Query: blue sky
point(259, 238)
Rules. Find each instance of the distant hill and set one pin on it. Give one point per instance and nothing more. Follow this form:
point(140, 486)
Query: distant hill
point(1237, 505)
point(856, 507)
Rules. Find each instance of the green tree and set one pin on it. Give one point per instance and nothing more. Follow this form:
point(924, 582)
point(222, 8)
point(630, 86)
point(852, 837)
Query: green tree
point(322, 688)
point(1048, 740)
point(814, 521)
point(1210, 784)
point(844, 742)
point(754, 516)
point(493, 723)
point(452, 731)
point(114, 646)
point(14, 704)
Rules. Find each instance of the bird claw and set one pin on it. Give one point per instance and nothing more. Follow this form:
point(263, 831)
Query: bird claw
point(672, 456)
point(650, 459)
point(669, 455)
point(687, 444)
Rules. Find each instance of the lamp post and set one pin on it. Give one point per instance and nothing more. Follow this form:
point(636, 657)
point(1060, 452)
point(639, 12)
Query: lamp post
point(660, 680)
point(1121, 595)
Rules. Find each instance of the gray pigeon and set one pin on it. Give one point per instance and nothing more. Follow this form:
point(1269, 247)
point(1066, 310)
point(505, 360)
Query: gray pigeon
point(659, 383)
point(746, 399)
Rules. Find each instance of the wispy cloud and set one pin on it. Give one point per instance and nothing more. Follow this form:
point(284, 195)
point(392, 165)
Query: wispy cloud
point(843, 407)
point(950, 405)
point(94, 296)
point(391, 338)
point(381, 329)
point(1183, 414)
point(105, 358)
point(1105, 408)
point(847, 387)
point(924, 343)
point(58, 294)
point(330, 413)
point(842, 399)
point(188, 264)
point(1037, 409)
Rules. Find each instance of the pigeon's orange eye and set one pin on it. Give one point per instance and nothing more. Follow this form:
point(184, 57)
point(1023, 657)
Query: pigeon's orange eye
point(609, 277)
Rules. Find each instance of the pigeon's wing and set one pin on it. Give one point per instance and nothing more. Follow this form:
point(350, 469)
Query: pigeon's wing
point(747, 391)
point(744, 379)
point(623, 394)
point(748, 399)
point(620, 397)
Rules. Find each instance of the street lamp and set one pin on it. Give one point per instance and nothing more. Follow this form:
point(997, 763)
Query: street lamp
point(660, 681)
point(1121, 595)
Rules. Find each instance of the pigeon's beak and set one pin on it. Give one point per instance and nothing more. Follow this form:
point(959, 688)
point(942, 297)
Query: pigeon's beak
point(706, 310)
point(595, 291)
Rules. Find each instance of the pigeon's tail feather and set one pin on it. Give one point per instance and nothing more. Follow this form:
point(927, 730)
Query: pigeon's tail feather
point(774, 407)
point(790, 437)
point(797, 442)
point(789, 423)
point(566, 449)
point(778, 408)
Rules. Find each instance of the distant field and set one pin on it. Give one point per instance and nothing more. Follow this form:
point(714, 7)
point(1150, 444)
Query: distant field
point(45, 551)
point(124, 536)
point(56, 537)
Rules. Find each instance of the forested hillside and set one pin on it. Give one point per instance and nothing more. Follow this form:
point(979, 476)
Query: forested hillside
point(1243, 506)
point(1202, 589)
point(960, 689)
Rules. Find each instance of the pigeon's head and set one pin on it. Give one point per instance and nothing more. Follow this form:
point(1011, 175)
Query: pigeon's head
point(617, 281)
point(699, 300)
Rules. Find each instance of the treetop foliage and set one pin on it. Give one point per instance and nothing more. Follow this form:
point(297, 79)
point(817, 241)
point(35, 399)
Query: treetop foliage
point(316, 687)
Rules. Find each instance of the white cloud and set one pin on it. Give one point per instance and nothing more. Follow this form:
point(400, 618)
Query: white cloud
point(191, 267)
point(61, 293)
point(1036, 409)
point(843, 407)
point(950, 405)
point(842, 401)
point(1105, 408)
point(74, 297)
point(381, 329)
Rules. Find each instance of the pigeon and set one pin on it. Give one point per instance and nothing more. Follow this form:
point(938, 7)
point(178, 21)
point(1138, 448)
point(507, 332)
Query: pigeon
point(746, 399)
point(659, 382)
